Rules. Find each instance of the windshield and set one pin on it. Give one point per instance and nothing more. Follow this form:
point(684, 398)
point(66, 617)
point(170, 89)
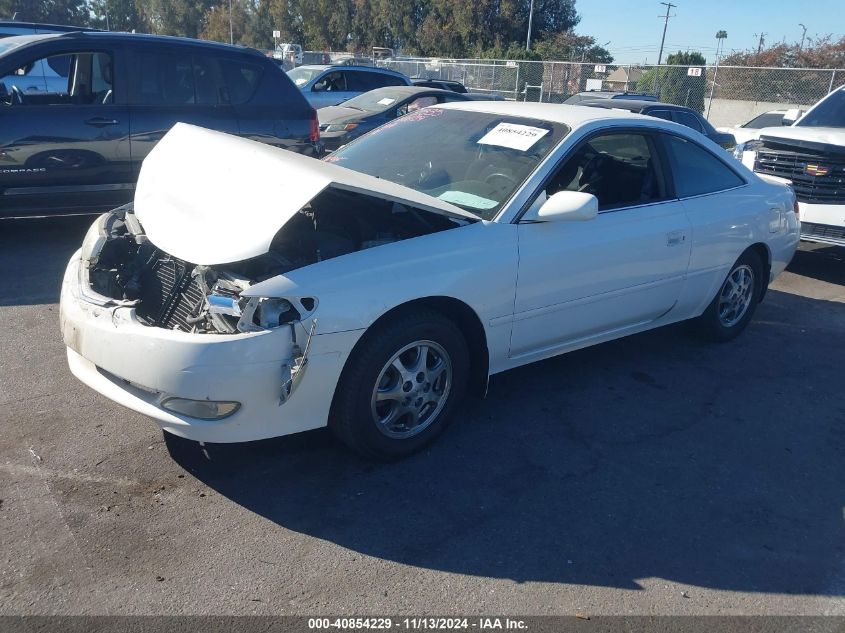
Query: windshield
point(9, 43)
point(474, 160)
point(302, 75)
point(828, 113)
point(767, 119)
point(377, 100)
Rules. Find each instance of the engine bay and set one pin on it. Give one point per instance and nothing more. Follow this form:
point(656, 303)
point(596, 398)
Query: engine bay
point(171, 293)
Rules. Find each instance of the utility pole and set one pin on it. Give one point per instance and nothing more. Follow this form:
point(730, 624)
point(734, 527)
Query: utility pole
point(762, 41)
point(231, 30)
point(803, 35)
point(666, 17)
point(721, 36)
point(530, 19)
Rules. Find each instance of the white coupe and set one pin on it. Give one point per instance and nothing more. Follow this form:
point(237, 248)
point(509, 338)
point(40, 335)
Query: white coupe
point(250, 292)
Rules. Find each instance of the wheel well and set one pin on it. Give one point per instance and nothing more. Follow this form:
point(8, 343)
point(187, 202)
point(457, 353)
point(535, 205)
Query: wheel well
point(766, 257)
point(468, 323)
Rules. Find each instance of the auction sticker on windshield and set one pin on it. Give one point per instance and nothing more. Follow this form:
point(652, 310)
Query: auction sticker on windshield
point(386, 101)
point(513, 135)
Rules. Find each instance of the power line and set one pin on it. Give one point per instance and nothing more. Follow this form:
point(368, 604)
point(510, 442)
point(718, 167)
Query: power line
point(762, 41)
point(669, 6)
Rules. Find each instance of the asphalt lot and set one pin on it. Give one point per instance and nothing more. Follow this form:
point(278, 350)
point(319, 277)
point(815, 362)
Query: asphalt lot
point(653, 475)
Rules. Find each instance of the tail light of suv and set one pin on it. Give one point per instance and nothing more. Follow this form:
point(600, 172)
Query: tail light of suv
point(315, 127)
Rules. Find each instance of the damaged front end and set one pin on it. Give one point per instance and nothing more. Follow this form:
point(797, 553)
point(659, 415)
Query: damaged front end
point(121, 267)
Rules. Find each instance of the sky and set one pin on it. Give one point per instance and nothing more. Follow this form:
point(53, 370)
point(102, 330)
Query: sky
point(634, 29)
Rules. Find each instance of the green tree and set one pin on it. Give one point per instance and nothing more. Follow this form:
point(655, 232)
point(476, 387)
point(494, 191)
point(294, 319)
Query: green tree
point(73, 12)
point(177, 17)
point(568, 46)
point(672, 82)
point(117, 15)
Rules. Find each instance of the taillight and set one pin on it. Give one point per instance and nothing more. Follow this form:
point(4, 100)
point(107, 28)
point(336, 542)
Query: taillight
point(315, 127)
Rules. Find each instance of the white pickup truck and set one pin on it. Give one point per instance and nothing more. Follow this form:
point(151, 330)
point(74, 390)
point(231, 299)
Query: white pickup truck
point(811, 154)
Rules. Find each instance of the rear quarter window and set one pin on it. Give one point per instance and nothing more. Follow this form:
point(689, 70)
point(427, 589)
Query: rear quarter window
point(241, 79)
point(696, 171)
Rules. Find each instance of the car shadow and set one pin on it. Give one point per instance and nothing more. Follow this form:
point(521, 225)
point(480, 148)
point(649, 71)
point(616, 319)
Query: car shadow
point(653, 456)
point(36, 251)
point(821, 262)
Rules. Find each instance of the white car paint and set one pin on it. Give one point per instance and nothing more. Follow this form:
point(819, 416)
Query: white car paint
point(174, 194)
point(538, 289)
point(743, 134)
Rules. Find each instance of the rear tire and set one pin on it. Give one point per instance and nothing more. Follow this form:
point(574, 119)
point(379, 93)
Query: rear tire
point(400, 386)
point(734, 304)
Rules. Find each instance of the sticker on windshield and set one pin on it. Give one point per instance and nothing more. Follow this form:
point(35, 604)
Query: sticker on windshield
point(467, 200)
point(514, 136)
point(386, 101)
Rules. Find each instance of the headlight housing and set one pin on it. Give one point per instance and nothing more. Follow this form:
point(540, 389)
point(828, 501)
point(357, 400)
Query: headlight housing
point(94, 240)
point(341, 127)
point(266, 313)
point(738, 150)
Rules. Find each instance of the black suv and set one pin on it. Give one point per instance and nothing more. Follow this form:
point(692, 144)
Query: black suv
point(670, 112)
point(80, 111)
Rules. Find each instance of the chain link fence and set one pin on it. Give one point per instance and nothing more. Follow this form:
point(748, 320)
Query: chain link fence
point(727, 95)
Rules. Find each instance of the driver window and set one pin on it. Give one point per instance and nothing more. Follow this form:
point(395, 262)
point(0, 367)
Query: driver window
point(68, 79)
point(333, 82)
point(621, 170)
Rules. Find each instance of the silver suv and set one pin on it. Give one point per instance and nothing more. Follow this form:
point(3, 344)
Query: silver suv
point(330, 85)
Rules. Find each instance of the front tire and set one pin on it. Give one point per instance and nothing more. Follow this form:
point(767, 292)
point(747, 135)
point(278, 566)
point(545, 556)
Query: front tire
point(733, 306)
point(400, 386)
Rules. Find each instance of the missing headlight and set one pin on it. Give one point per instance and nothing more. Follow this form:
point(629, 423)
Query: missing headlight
point(267, 313)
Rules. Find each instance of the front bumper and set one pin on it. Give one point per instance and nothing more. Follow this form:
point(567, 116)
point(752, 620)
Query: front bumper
point(139, 366)
point(824, 223)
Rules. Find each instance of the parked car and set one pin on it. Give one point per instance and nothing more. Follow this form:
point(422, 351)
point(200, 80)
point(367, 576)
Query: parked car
point(442, 84)
point(329, 85)
point(811, 155)
point(670, 112)
point(289, 51)
point(593, 95)
point(342, 123)
point(11, 28)
point(316, 57)
point(80, 111)
point(351, 60)
point(773, 118)
point(370, 290)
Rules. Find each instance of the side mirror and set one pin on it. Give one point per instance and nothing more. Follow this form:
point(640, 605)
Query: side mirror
point(791, 116)
point(565, 206)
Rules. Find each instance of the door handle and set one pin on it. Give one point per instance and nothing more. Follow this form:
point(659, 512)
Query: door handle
point(675, 237)
point(99, 121)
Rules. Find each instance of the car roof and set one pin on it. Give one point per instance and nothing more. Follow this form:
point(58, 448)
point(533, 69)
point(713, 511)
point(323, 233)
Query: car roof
point(436, 80)
point(408, 91)
point(95, 36)
point(54, 28)
point(571, 115)
point(322, 67)
point(634, 104)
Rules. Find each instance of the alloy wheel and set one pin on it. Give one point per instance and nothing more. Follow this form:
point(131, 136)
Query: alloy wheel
point(412, 389)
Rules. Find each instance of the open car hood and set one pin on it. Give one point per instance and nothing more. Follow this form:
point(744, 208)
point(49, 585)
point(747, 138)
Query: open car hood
point(212, 198)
